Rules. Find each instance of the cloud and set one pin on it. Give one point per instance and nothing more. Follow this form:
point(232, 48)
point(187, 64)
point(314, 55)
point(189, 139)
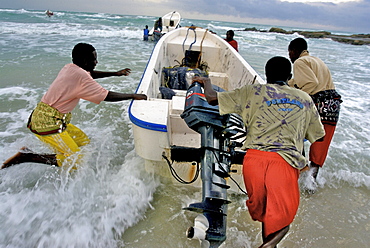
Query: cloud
point(345, 16)
point(321, 1)
point(342, 15)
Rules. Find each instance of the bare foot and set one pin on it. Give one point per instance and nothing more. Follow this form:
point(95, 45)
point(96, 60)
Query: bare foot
point(273, 239)
point(25, 150)
point(17, 158)
point(314, 170)
point(310, 181)
point(306, 168)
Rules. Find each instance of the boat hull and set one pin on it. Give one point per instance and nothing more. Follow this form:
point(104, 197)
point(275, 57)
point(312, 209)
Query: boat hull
point(157, 125)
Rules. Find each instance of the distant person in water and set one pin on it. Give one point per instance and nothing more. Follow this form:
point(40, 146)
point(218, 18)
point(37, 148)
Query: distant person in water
point(230, 39)
point(277, 118)
point(313, 76)
point(50, 120)
point(146, 33)
point(49, 13)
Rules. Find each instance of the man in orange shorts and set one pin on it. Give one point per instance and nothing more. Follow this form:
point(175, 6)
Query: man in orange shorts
point(50, 120)
point(313, 76)
point(278, 118)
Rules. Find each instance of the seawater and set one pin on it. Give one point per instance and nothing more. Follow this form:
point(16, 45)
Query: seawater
point(111, 201)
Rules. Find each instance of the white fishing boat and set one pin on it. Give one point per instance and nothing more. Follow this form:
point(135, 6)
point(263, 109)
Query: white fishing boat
point(162, 137)
point(169, 22)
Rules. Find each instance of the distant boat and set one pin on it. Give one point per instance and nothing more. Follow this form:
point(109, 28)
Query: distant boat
point(165, 24)
point(49, 13)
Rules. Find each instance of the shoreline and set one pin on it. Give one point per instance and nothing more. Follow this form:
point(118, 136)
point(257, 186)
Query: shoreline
point(355, 39)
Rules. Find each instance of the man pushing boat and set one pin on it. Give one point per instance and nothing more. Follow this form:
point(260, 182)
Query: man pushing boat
point(277, 118)
point(50, 120)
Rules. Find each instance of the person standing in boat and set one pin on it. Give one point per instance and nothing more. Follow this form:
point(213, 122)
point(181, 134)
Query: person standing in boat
point(277, 118)
point(313, 76)
point(230, 39)
point(146, 33)
point(50, 120)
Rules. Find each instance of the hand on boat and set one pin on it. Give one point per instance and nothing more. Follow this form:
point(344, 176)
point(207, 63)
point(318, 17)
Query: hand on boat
point(124, 72)
point(200, 80)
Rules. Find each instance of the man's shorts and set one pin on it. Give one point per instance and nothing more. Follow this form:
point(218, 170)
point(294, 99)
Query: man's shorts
point(66, 143)
point(272, 187)
point(319, 149)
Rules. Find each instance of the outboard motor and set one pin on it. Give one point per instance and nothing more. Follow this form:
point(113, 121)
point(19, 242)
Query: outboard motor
point(217, 154)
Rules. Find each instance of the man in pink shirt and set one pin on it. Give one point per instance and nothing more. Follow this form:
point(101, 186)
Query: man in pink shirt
point(50, 120)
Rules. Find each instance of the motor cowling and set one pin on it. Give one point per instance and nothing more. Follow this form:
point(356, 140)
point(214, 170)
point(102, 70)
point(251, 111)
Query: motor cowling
point(198, 112)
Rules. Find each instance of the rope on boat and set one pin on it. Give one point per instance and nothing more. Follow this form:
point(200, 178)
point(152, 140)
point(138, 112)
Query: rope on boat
point(201, 47)
point(180, 180)
point(195, 38)
point(177, 177)
point(224, 171)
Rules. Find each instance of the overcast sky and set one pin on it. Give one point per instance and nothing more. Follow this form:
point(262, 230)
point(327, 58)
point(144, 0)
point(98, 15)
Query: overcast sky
point(341, 15)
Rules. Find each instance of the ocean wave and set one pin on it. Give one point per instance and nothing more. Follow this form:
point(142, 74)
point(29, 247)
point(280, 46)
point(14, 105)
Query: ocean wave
point(46, 30)
point(108, 203)
point(356, 179)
